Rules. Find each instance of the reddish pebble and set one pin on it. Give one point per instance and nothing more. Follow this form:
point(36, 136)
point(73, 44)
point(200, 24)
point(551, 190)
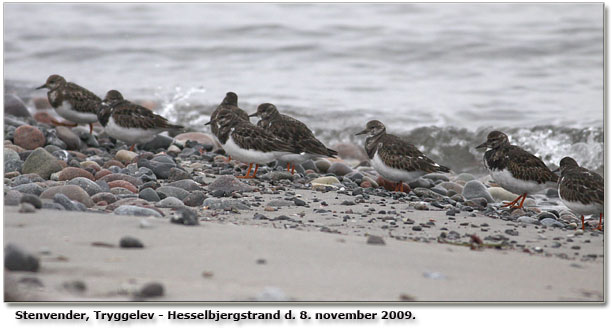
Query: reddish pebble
point(102, 173)
point(29, 137)
point(62, 163)
point(70, 173)
point(41, 103)
point(102, 203)
point(43, 117)
point(123, 184)
point(366, 184)
point(113, 162)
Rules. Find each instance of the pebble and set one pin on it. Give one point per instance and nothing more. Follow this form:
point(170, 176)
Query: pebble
point(149, 194)
point(185, 216)
point(339, 169)
point(136, 211)
point(512, 232)
point(86, 184)
point(350, 151)
point(549, 222)
point(12, 197)
point(107, 197)
point(27, 208)
point(476, 189)
point(70, 138)
point(169, 202)
point(123, 184)
point(178, 174)
point(152, 289)
point(29, 188)
point(199, 137)
point(186, 184)
point(421, 206)
point(159, 142)
point(501, 194)
point(32, 200)
point(73, 192)
point(13, 105)
point(322, 165)
point(528, 220)
point(277, 175)
point(229, 184)
point(120, 176)
point(299, 202)
point(42, 163)
point(130, 242)
point(125, 156)
point(420, 183)
point(272, 294)
point(29, 137)
point(65, 202)
point(326, 180)
point(70, 173)
point(17, 259)
point(195, 198)
point(173, 192)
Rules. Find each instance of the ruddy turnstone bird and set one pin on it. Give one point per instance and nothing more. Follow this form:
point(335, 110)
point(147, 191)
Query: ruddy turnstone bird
point(581, 190)
point(395, 159)
point(72, 102)
point(515, 169)
point(230, 102)
point(249, 143)
point(293, 132)
point(130, 122)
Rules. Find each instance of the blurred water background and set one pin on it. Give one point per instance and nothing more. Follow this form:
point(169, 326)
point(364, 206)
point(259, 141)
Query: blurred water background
point(441, 75)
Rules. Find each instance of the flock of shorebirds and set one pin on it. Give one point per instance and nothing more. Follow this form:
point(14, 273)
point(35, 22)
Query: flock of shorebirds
point(280, 137)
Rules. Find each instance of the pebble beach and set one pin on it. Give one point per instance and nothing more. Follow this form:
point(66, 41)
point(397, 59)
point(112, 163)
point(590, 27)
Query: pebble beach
point(85, 219)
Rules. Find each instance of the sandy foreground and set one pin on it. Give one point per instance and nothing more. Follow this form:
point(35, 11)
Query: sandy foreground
point(323, 257)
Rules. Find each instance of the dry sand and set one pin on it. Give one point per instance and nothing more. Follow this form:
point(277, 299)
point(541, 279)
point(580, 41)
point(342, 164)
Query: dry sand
point(232, 257)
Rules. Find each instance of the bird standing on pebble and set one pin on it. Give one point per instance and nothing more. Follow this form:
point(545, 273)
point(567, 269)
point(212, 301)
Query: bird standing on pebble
point(129, 122)
point(249, 143)
point(72, 102)
point(395, 159)
point(581, 190)
point(293, 132)
point(515, 169)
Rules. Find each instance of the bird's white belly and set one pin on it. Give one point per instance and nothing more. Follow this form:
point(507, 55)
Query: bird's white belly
point(249, 155)
point(583, 209)
point(505, 179)
point(394, 174)
point(66, 111)
point(297, 158)
point(129, 135)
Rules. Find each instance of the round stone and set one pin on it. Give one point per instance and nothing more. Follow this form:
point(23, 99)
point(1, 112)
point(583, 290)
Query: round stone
point(29, 137)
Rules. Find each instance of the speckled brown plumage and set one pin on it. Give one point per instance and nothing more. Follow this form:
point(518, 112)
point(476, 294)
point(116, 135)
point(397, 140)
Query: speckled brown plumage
point(397, 153)
point(522, 164)
point(81, 99)
point(129, 115)
point(578, 184)
point(249, 136)
point(230, 102)
point(291, 131)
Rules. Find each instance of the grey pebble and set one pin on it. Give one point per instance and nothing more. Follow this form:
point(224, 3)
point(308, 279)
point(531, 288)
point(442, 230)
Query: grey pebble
point(130, 242)
point(16, 259)
point(31, 199)
point(375, 240)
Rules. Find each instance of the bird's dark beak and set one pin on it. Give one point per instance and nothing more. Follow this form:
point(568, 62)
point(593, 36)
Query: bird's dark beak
point(557, 170)
point(254, 114)
point(482, 145)
point(362, 132)
point(208, 123)
point(42, 86)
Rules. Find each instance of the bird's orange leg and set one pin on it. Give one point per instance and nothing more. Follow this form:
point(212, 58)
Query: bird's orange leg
point(90, 128)
point(247, 175)
point(522, 201)
point(599, 226)
point(582, 218)
point(132, 148)
point(72, 125)
point(255, 172)
point(292, 169)
point(512, 203)
point(401, 188)
point(396, 187)
point(288, 166)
